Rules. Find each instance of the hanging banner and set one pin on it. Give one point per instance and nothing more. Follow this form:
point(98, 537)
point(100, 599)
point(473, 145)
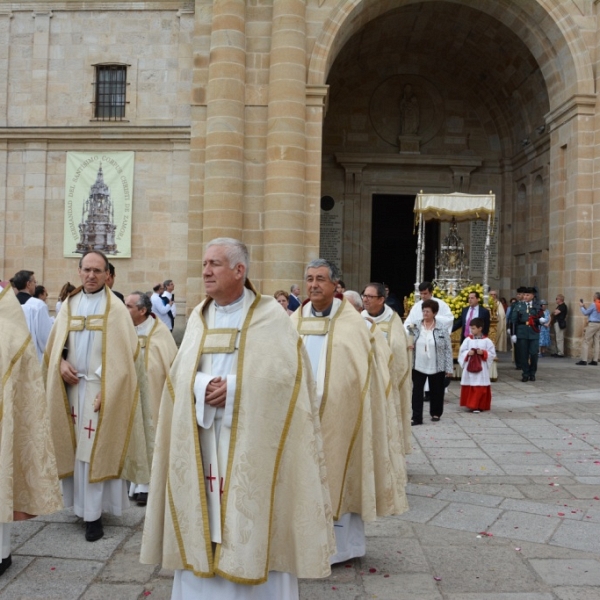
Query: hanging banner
point(98, 203)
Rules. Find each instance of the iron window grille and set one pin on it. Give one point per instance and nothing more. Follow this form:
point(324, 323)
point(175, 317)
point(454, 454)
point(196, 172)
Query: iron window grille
point(110, 93)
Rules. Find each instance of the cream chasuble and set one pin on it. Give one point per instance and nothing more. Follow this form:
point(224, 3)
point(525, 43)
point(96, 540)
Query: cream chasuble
point(239, 492)
point(159, 351)
point(28, 476)
point(392, 328)
point(116, 442)
point(355, 415)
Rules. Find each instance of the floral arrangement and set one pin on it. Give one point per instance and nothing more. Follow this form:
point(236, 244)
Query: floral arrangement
point(458, 302)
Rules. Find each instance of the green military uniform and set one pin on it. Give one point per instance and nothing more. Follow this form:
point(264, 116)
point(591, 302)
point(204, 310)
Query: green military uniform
point(527, 331)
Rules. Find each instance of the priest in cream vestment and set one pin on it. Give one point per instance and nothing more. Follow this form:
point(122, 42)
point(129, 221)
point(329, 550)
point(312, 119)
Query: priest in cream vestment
point(28, 477)
point(390, 324)
point(98, 397)
point(159, 350)
point(238, 502)
point(364, 456)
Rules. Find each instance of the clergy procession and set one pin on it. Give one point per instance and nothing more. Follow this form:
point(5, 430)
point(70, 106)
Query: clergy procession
point(260, 447)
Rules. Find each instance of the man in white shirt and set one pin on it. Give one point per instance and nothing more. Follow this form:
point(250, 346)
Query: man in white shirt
point(36, 312)
point(444, 315)
point(159, 308)
point(168, 299)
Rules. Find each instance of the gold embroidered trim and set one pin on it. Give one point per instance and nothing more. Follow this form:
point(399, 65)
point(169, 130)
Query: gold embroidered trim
point(328, 359)
point(384, 326)
point(198, 454)
point(284, 436)
point(234, 424)
point(357, 427)
point(313, 326)
point(220, 341)
point(91, 322)
point(13, 362)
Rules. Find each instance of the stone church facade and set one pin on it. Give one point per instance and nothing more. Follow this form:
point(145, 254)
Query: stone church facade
point(244, 114)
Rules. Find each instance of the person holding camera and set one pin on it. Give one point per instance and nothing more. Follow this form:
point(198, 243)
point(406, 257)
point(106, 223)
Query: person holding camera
point(592, 330)
point(559, 323)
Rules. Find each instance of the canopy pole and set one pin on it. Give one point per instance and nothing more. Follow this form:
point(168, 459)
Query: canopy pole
point(486, 261)
point(420, 258)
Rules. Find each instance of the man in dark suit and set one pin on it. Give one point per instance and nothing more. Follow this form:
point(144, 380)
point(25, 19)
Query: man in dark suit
point(526, 317)
point(469, 313)
point(294, 300)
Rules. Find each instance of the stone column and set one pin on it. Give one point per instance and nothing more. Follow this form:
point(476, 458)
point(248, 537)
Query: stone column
point(200, 53)
point(573, 268)
point(284, 218)
point(224, 157)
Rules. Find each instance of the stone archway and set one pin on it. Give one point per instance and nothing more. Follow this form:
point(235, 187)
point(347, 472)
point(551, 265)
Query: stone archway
point(531, 137)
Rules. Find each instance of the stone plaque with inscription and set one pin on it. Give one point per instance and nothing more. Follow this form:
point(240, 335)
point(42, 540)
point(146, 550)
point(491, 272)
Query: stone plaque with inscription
point(477, 250)
point(332, 225)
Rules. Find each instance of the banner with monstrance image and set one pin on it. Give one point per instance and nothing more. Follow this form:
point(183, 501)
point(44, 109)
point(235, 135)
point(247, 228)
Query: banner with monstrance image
point(98, 203)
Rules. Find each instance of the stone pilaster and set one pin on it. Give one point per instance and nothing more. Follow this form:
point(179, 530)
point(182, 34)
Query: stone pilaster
point(34, 208)
point(5, 17)
point(224, 161)
point(316, 102)
point(200, 56)
point(284, 219)
point(39, 69)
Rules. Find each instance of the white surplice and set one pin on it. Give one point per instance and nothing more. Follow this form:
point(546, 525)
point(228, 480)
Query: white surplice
point(4, 538)
point(349, 529)
point(215, 432)
point(89, 500)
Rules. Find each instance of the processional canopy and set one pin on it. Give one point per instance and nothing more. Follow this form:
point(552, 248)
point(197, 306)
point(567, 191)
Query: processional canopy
point(461, 207)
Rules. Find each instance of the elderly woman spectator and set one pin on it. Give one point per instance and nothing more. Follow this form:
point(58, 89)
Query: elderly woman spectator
point(432, 360)
point(283, 298)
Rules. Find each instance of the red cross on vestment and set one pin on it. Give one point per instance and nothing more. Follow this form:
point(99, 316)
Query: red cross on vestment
point(210, 477)
point(89, 429)
point(73, 415)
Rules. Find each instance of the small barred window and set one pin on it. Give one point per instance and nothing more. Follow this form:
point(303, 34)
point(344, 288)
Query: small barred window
point(110, 92)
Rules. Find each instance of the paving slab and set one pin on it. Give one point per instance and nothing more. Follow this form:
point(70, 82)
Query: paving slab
point(51, 578)
point(466, 517)
point(68, 541)
point(523, 526)
point(469, 498)
point(579, 535)
point(567, 572)
point(422, 509)
point(482, 570)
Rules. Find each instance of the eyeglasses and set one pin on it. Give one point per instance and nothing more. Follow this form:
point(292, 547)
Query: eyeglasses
point(367, 297)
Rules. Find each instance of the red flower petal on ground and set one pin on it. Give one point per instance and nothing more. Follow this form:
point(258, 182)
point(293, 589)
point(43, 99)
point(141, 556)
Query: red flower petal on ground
point(372, 570)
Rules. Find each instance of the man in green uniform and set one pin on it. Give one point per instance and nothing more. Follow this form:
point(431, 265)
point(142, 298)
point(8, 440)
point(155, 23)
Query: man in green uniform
point(526, 317)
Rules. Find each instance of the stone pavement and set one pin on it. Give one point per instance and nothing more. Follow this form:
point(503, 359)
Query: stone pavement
point(504, 505)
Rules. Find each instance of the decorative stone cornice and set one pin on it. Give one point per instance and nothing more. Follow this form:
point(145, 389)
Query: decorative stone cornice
point(96, 133)
point(578, 105)
point(422, 160)
point(100, 5)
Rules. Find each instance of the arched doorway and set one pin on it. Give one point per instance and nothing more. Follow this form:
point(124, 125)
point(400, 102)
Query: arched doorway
point(490, 84)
